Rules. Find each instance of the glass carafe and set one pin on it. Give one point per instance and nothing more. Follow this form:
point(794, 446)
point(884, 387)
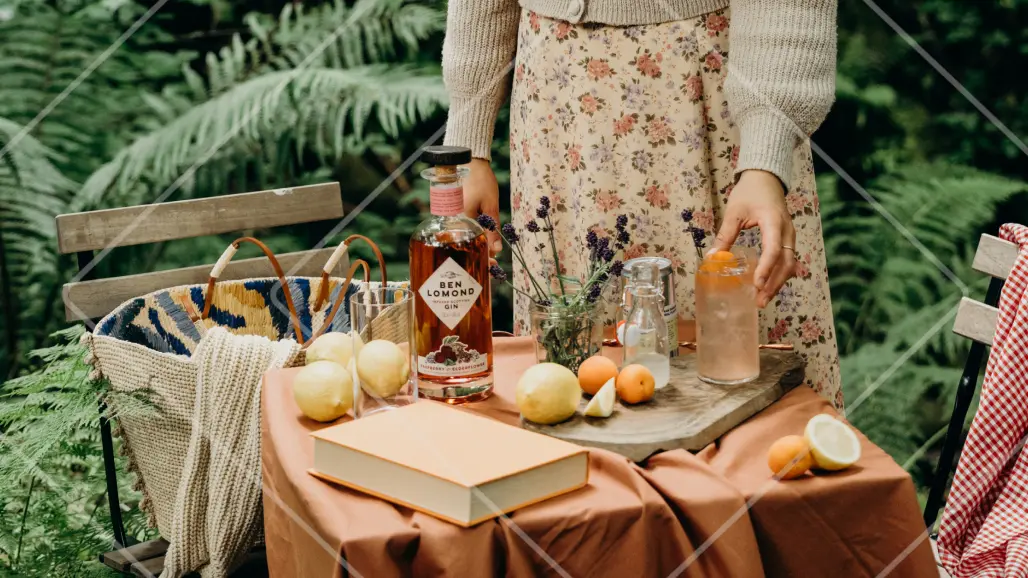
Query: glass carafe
point(645, 330)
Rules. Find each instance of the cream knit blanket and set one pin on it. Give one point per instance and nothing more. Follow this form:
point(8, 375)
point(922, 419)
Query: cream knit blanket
point(218, 515)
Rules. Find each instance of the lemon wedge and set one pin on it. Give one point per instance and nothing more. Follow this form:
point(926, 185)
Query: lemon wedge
point(832, 443)
point(602, 404)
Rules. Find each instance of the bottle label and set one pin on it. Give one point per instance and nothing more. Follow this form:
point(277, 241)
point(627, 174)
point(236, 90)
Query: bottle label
point(446, 201)
point(671, 317)
point(453, 358)
point(450, 292)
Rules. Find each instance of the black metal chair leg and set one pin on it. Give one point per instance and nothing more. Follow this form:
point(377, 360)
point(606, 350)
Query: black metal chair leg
point(107, 443)
point(965, 394)
point(964, 397)
point(111, 474)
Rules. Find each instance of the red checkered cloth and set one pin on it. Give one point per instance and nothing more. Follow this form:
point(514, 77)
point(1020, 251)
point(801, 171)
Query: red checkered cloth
point(984, 529)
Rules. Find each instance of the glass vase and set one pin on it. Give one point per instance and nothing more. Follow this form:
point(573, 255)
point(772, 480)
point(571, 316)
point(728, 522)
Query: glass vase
point(567, 334)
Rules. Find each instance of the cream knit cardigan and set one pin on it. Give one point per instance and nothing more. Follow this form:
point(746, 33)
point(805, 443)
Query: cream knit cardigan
point(781, 73)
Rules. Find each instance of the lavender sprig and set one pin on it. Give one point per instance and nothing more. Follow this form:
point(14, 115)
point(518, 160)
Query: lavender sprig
point(496, 272)
point(543, 212)
point(621, 232)
point(616, 268)
point(698, 237)
point(698, 234)
point(487, 222)
point(510, 233)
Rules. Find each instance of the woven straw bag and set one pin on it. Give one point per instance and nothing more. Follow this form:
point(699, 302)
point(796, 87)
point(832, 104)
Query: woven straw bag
point(148, 342)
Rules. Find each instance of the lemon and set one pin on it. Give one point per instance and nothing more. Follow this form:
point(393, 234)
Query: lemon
point(337, 347)
point(602, 404)
point(323, 390)
point(382, 367)
point(832, 443)
point(548, 393)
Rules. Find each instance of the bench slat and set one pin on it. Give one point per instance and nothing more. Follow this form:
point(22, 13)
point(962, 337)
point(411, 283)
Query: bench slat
point(121, 560)
point(197, 217)
point(96, 298)
point(994, 256)
point(149, 568)
point(976, 321)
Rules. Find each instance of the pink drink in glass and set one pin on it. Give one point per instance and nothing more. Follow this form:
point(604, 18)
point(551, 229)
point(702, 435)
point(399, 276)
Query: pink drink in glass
point(726, 319)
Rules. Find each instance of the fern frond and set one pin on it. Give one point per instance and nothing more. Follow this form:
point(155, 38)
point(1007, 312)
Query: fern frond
point(32, 191)
point(44, 48)
point(317, 109)
point(894, 305)
point(51, 467)
point(875, 264)
point(313, 80)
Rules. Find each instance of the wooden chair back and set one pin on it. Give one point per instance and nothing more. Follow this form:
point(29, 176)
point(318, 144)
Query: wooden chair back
point(976, 321)
point(103, 230)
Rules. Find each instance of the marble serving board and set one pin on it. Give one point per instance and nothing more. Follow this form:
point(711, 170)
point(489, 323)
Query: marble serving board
point(687, 413)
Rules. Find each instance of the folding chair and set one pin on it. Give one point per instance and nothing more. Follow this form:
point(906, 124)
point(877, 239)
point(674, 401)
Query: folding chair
point(977, 322)
point(90, 299)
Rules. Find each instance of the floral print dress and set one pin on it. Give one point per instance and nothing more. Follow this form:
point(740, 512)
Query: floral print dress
point(633, 120)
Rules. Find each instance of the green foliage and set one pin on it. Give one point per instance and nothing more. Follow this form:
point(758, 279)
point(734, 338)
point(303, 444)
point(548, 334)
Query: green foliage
point(906, 248)
point(53, 509)
point(306, 82)
point(45, 50)
point(57, 124)
point(898, 267)
point(32, 191)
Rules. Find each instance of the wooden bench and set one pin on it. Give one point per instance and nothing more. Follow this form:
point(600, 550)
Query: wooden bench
point(87, 299)
point(976, 321)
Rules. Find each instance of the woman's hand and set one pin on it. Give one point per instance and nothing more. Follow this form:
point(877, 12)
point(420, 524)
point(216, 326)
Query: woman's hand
point(758, 199)
point(482, 197)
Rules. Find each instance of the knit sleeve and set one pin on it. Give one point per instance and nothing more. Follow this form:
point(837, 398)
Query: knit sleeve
point(481, 37)
point(781, 77)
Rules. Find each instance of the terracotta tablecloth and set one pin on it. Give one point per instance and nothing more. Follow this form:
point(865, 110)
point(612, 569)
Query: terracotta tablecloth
point(682, 514)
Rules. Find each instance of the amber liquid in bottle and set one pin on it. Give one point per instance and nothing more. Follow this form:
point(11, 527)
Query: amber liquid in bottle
point(449, 271)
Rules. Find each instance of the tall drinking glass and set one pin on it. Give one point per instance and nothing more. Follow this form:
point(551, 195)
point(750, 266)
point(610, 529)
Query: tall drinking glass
point(382, 319)
point(726, 318)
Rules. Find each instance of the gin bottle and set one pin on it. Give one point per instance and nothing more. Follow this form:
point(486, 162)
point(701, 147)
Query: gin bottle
point(449, 271)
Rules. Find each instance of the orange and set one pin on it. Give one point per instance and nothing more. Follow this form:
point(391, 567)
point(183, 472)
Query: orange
point(715, 266)
point(722, 256)
point(790, 457)
point(594, 372)
point(635, 384)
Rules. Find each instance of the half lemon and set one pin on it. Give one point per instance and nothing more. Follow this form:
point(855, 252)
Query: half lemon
point(832, 443)
point(602, 404)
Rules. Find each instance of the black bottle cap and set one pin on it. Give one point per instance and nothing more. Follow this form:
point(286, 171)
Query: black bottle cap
point(446, 156)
